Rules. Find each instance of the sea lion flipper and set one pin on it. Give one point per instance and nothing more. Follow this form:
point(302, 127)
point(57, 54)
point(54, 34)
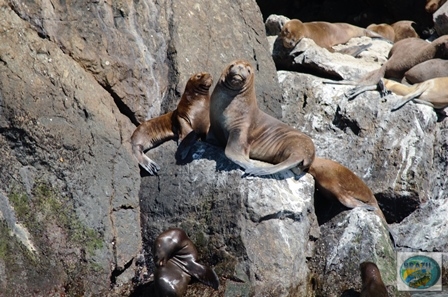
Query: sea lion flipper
point(185, 145)
point(407, 98)
point(144, 161)
point(236, 151)
point(204, 274)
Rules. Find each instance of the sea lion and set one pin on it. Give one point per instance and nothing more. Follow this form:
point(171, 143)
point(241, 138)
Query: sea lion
point(426, 70)
point(372, 283)
point(384, 30)
point(324, 34)
point(433, 92)
point(175, 258)
point(334, 180)
point(405, 29)
point(403, 55)
point(432, 5)
point(187, 123)
point(246, 132)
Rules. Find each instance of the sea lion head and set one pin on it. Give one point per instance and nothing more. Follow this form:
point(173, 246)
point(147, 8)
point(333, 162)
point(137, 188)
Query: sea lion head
point(442, 47)
point(200, 82)
point(238, 75)
point(291, 33)
point(167, 244)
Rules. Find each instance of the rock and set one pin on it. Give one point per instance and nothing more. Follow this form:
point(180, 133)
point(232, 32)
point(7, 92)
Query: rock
point(307, 57)
point(440, 18)
point(237, 223)
point(66, 172)
point(274, 24)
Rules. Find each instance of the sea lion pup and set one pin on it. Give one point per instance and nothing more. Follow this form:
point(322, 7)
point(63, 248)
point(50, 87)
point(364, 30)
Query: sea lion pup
point(324, 34)
point(334, 180)
point(433, 92)
point(175, 258)
point(403, 55)
point(432, 5)
point(405, 29)
point(426, 70)
point(384, 30)
point(189, 119)
point(372, 283)
point(246, 132)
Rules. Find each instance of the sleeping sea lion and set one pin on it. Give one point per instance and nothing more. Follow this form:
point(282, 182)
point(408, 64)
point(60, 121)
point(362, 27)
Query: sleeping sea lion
point(246, 132)
point(433, 92)
point(175, 258)
point(324, 34)
point(426, 70)
point(187, 123)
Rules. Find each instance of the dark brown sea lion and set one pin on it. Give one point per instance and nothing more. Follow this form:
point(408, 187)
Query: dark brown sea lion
point(191, 118)
point(384, 30)
point(246, 132)
point(175, 257)
point(403, 55)
point(372, 283)
point(334, 180)
point(324, 34)
point(432, 5)
point(426, 70)
point(433, 92)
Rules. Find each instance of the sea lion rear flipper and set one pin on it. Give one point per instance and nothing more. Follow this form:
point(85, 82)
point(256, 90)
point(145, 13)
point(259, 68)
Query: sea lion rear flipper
point(185, 145)
point(204, 274)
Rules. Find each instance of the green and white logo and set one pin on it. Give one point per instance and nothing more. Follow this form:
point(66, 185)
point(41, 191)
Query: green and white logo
point(419, 271)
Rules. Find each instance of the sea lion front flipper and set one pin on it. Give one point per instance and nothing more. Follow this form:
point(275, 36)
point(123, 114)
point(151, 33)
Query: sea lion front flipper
point(204, 274)
point(185, 145)
point(359, 90)
point(144, 161)
point(237, 150)
point(409, 97)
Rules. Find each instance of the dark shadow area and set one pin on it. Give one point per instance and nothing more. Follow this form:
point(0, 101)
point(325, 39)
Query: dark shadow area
point(396, 207)
point(326, 208)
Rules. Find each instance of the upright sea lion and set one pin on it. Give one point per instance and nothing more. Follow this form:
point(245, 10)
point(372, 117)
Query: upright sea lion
point(175, 258)
point(433, 92)
point(372, 283)
point(324, 34)
point(432, 5)
point(384, 30)
point(246, 132)
point(334, 180)
point(405, 29)
point(403, 55)
point(426, 70)
point(191, 118)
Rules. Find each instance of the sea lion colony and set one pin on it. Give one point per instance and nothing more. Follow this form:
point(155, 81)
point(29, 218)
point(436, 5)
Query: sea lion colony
point(231, 119)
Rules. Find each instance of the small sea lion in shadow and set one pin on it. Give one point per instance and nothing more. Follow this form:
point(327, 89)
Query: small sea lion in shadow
point(188, 123)
point(372, 283)
point(433, 92)
point(324, 34)
point(403, 55)
point(246, 132)
point(175, 258)
point(333, 180)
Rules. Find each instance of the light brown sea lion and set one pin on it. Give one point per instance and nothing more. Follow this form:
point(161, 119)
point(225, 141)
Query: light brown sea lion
point(426, 70)
point(175, 258)
point(334, 180)
point(404, 29)
point(432, 5)
point(433, 92)
point(187, 123)
point(324, 34)
point(372, 283)
point(384, 30)
point(403, 55)
point(246, 132)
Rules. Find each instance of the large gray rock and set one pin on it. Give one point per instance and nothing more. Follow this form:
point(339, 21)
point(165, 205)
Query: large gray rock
point(66, 172)
point(257, 232)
